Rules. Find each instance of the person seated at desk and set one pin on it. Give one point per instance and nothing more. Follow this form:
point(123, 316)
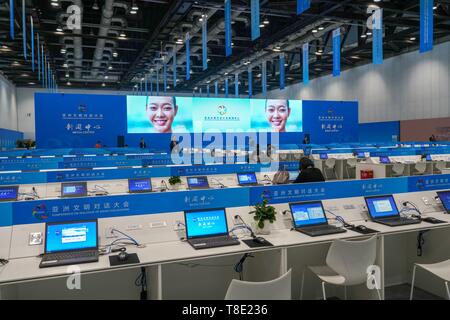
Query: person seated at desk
point(308, 173)
point(98, 145)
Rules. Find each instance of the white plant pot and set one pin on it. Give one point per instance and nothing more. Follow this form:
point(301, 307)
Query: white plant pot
point(264, 231)
point(176, 186)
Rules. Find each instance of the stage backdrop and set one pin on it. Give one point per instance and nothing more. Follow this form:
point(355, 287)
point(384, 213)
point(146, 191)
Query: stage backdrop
point(79, 120)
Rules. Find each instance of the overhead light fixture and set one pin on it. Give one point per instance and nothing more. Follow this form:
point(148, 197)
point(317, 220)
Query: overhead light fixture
point(321, 28)
point(435, 7)
point(115, 54)
point(63, 50)
point(133, 11)
point(377, 0)
point(110, 68)
point(314, 31)
point(55, 4)
point(262, 25)
point(67, 75)
point(412, 38)
point(5, 47)
point(364, 36)
point(135, 7)
point(103, 84)
point(65, 65)
point(68, 83)
point(266, 22)
point(122, 35)
point(59, 29)
point(106, 77)
point(25, 75)
point(95, 5)
point(369, 33)
point(31, 83)
point(318, 53)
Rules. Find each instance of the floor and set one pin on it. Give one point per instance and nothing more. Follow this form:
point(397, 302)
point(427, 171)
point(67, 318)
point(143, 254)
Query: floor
point(402, 291)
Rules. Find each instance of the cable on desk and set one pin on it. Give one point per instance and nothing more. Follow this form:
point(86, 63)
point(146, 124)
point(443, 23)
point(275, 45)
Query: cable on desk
point(340, 219)
point(243, 225)
point(141, 281)
point(414, 208)
point(239, 267)
point(125, 235)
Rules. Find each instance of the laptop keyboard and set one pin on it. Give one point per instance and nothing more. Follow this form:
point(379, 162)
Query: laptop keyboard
point(213, 242)
point(69, 255)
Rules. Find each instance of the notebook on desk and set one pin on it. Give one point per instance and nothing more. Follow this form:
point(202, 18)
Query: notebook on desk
point(68, 243)
point(310, 218)
point(198, 183)
point(247, 179)
point(383, 209)
point(444, 196)
point(73, 189)
point(208, 229)
point(139, 185)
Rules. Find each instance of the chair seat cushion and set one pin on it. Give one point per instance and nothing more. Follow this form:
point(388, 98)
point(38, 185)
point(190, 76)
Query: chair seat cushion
point(440, 269)
point(326, 274)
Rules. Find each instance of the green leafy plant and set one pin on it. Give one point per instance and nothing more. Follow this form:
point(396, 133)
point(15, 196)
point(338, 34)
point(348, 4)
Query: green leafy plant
point(174, 180)
point(263, 212)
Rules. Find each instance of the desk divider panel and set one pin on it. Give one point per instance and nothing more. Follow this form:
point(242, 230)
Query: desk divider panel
point(28, 212)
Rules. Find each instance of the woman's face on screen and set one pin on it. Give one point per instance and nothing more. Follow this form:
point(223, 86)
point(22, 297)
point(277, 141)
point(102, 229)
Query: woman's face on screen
point(277, 113)
point(161, 112)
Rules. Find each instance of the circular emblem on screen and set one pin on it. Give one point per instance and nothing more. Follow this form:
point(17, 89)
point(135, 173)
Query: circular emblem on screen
point(330, 111)
point(40, 212)
point(222, 110)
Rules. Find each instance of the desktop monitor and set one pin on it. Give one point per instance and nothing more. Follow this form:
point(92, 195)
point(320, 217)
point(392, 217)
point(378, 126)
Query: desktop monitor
point(323, 156)
point(9, 193)
point(198, 182)
point(385, 160)
point(139, 185)
point(444, 196)
point(71, 236)
point(73, 189)
point(247, 178)
point(205, 223)
point(308, 213)
point(381, 207)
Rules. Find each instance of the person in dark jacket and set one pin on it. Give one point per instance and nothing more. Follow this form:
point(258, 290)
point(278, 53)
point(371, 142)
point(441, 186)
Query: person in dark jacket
point(308, 173)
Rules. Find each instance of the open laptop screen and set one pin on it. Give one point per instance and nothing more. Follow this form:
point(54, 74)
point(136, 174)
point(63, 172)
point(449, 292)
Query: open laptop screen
point(308, 213)
point(139, 185)
point(73, 189)
point(323, 156)
point(247, 178)
point(198, 182)
point(361, 155)
point(71, 236)
point(445, 199)
point(293, 175)
point(385, 160)
point(381, 207)
point(205, 223)
point(428, 157)
point(9, 193)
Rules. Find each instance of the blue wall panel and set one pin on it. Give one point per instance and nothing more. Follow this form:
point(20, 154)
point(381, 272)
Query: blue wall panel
point(379, 131)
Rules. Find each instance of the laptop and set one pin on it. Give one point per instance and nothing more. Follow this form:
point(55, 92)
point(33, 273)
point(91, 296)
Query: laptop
point(68, 243)
point(139, 185)
point(444, 196)
point(323, 156)
point(73, 189)
point(382, 209)
point(247, 179)
point(428, 157)
point(361, 155)
point(310, 218)
point(208, 229)
point(385, 160)
point(293, 175)
point(9, 193)
point(198, 183)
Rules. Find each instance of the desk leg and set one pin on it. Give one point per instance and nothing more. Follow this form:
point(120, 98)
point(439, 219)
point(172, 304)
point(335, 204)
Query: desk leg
point(380, 263)
point(283, 261)
point(159, 289)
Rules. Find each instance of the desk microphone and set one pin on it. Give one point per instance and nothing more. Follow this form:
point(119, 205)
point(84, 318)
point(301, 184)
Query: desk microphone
point(163, 183)
point(103, 191)
point(219, 183)
point(267, 178)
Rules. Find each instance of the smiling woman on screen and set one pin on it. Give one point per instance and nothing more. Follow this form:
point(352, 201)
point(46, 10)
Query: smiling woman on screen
point(161, 112)
point(277, 114)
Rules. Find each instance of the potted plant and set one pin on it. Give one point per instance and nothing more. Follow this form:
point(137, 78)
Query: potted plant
point(175, 182)
point(264, 217)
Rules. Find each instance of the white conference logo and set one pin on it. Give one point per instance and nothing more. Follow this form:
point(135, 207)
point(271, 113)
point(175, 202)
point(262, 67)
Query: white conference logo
point(74, 279)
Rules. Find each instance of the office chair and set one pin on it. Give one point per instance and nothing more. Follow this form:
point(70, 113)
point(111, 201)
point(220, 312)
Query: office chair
point(346, 264)
point(420, 168)
point(277, 289)
point(330, 164)
point(440, 269)
point(398, 169)
point(351, 164)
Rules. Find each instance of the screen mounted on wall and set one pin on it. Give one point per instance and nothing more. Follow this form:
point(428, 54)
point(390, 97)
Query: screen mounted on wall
point(196, 115)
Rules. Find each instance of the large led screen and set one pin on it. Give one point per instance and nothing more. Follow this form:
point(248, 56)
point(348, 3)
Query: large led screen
point(196, 115)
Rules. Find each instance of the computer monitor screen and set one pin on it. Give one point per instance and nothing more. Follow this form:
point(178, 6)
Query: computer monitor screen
point(71, 236)
point(323, 156)
point(361, 155)
point(428, 157)
point(385, 160)
point(308, 213)
point(73, 189)
point(293, 175)
point(247, 178)
point(444, 196)
point(9, 193)
point(198, 182)
point(139, 185)
point(204, 223)
point(381, 207)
